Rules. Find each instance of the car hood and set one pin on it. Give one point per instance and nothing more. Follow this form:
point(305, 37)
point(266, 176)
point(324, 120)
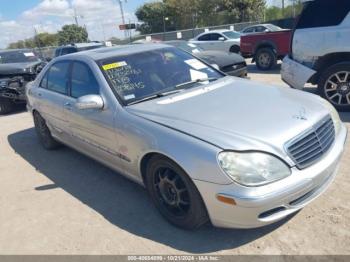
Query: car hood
point(220, 58)
point(237, 114)
point(16, 68)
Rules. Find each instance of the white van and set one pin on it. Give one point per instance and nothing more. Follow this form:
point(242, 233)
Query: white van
point(320, 51)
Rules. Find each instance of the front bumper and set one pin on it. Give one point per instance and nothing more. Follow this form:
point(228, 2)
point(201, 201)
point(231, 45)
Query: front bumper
point(260, 206)
point(295, 74)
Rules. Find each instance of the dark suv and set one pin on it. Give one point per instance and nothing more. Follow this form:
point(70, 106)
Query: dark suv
point(74, 48)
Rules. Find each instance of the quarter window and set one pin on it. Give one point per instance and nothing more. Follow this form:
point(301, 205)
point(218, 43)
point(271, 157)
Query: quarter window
point(83, 81)
point(58, 77)
point(323, 13)
point(43, 83)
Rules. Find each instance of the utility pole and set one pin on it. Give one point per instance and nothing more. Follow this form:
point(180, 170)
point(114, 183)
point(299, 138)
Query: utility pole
point(122, 12)
point(283, 8)
point(76, 17)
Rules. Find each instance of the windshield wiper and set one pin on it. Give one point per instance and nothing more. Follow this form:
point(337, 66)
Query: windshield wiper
point(200, 80)
point(158, 95)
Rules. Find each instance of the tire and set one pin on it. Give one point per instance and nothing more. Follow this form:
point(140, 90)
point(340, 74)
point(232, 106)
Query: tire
point(235, 49)
point(44, 134)
point(265, 58)
point(174, 194)
point(334, 85)
point(6, 106)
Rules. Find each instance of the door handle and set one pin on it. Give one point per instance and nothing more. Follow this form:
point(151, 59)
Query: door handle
point(68, 105)
point(40, 95)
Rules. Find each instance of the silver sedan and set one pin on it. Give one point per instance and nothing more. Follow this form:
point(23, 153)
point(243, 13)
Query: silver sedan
point(208, 147)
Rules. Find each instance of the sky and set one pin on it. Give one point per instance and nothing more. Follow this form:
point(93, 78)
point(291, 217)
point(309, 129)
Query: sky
point(19, 18)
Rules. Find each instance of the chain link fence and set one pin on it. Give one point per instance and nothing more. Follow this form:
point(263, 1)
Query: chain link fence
point(191, 33)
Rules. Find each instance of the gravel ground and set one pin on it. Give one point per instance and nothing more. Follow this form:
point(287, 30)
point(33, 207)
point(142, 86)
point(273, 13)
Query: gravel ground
point(62, 202)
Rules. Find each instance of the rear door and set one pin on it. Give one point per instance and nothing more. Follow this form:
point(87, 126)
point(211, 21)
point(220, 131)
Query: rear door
point(203, 41)
point(52, 94)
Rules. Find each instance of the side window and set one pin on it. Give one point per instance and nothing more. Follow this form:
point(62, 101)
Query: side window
point(205, 37)
point(57, 52)
point(57, 77)
point(328, 13)
point(260, 29)
point(249, 30)
point(215, 37)
point(68, 50)
point(83, 81)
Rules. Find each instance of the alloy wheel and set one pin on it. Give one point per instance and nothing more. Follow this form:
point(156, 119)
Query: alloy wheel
point(337, 88)
point(172, 192)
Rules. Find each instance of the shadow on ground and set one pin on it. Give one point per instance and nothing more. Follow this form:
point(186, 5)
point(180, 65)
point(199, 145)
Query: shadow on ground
point(122, 202)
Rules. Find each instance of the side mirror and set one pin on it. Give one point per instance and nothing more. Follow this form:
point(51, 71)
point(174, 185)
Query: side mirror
point(222, 39)
point(48, 59)
point(266, 30)
point(90, 102)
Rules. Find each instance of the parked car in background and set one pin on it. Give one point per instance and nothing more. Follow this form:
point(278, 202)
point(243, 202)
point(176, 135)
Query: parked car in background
point(207, 147)
point(17, 68)
point(260, 28)
point(229, 63)
point(220, 40)
point(73, 48)
point(266, 48)
point(320, 52)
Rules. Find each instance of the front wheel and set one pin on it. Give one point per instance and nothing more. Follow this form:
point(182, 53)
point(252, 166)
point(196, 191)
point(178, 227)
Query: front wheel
point(334, 85)
point(265, 59)
point(174, 194)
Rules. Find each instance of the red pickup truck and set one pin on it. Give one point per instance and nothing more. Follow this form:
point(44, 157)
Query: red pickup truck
point(266, 48)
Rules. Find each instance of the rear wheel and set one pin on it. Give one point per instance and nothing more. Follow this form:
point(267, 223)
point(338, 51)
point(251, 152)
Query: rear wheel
point(334, 85)
point(174, 194)
point(235, 49)
point(265, 58)
point(44, 133)
point(6, 106)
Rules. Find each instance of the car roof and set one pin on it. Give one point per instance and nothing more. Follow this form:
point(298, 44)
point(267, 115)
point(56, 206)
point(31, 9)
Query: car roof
point(81, 45)
point(108, 52)
point(218, 31)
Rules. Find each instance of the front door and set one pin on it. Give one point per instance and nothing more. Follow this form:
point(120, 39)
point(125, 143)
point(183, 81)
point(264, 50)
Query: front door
point(91, 130)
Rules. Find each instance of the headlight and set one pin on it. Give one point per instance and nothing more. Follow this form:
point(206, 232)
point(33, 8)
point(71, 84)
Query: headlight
point(253, 169)
point(29, 70)
point(334, 114)
point(3, 83)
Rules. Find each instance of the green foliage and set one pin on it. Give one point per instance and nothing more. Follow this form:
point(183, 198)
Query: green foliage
point(40, 40)
point(185, 14)
point(72, 34)
point(275, 13)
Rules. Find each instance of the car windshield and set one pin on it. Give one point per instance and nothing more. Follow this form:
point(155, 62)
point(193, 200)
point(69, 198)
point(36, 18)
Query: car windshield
point(231, 34)
point(138, 76)
point(273, 28)
point(9, 57)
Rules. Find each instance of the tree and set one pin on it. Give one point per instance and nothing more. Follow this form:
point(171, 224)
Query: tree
point(152, 14)
point(72, 34)
point(185, 14)
point(46, 39)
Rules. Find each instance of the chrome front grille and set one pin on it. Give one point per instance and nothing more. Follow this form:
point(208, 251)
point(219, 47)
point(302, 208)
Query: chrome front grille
point(311, 146)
